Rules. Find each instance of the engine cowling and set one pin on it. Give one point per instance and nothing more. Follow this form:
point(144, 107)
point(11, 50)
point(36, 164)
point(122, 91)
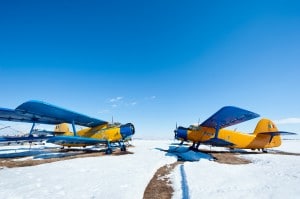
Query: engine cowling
point(127, 130)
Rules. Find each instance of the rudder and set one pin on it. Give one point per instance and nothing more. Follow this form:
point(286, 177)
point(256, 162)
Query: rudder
point(265, 125)
point(264, 130)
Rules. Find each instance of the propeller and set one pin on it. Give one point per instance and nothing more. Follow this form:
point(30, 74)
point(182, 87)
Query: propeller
point(175, 132)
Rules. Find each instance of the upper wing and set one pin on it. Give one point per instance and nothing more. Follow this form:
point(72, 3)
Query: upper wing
point(227, 116)
point(41, 112)
point(12, 115)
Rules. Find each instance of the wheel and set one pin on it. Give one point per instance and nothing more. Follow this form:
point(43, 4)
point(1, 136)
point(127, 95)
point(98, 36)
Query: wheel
point(264, 151)
point(108, 151)
point(123, 148)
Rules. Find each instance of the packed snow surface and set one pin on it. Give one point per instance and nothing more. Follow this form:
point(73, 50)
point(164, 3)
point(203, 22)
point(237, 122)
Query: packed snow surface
point(268, 176)
point(126, 176)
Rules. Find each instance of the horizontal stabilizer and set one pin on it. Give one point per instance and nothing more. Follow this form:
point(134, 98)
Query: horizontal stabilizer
point(278, 133)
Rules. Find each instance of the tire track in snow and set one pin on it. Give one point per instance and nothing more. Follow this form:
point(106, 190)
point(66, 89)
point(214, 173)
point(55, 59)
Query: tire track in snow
point(184, 184)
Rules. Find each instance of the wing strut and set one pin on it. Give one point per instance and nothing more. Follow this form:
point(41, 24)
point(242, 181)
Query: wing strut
point(31, 130)
point(74, 129)
point(217, 131)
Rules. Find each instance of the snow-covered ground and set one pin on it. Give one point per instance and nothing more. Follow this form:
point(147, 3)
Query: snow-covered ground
point(269, 176)
point(126, 176)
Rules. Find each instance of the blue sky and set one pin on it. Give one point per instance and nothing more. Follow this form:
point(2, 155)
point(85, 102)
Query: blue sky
point(154, 63)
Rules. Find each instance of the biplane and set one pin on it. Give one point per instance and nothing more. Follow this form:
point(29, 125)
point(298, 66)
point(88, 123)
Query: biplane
point(212, 132)
point(96, 132)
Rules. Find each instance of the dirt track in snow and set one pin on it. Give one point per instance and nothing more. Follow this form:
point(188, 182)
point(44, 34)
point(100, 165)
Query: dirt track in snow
point(18, 162)
point(160, 186)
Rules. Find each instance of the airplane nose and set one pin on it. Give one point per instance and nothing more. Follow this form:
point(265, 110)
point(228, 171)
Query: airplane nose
point(181, 133)
point(127, 130)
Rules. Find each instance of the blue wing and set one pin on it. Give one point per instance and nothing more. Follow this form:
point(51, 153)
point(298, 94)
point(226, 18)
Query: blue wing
point(227, 116)
point(12, 115)
point(74, 140)
point(218, 142)
point(9, 140)
point(41, 112)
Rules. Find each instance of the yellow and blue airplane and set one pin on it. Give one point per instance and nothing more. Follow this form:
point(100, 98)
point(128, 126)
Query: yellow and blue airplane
point(212, 132)
point(97, 131)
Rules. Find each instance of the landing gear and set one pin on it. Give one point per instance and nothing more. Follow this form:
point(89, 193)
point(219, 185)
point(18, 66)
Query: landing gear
point(264, 151)
point(195, 146)
point(110, 147)
point(123, 148)
point(108, 151)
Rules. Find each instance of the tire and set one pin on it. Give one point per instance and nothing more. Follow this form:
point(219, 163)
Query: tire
point(108, 151)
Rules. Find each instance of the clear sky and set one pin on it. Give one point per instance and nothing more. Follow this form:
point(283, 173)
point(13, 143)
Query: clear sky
point(153, 63)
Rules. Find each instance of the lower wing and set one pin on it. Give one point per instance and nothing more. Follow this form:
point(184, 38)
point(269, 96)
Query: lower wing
point(20, 140)
point(218, 142)
point(75, 141)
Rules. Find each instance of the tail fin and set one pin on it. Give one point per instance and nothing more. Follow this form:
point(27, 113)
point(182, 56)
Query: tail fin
point(265, 125)
point(62, 128)
point(267, 133)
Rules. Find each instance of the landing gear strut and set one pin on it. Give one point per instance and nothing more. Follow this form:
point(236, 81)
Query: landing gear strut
point(123, 148)
point(264, 151)
point(195, 146)
point(108, 151)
